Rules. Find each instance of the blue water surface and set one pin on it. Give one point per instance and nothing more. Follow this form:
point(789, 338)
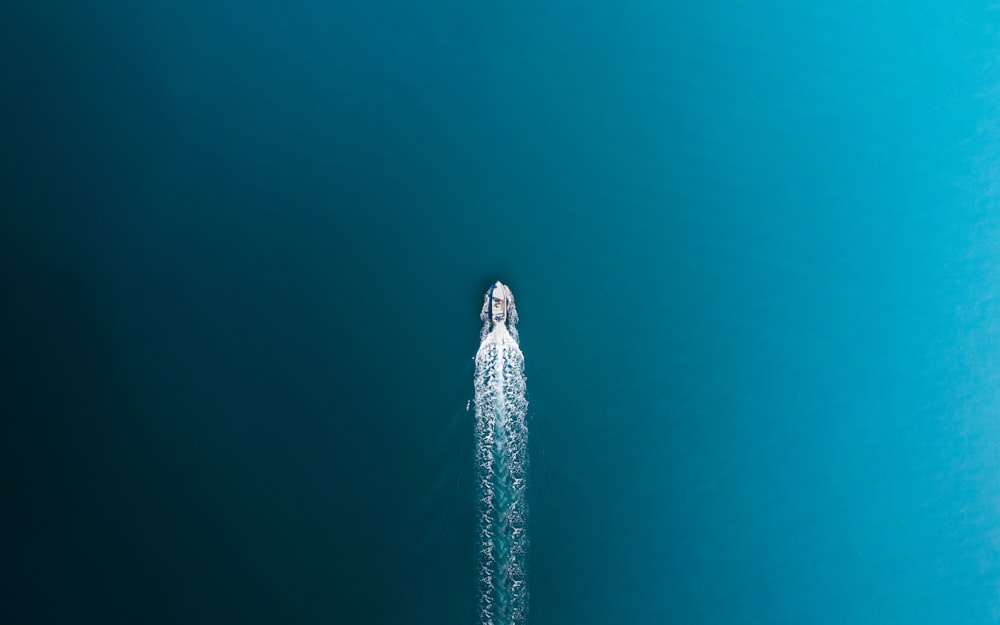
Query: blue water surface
point(755, 253)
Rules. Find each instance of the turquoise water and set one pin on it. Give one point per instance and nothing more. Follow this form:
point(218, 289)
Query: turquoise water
point(754, 250)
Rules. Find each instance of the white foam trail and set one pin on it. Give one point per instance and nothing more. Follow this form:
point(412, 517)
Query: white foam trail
point(501, 465)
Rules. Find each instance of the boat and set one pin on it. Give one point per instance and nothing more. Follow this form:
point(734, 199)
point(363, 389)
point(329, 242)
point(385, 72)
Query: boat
point(498, 299)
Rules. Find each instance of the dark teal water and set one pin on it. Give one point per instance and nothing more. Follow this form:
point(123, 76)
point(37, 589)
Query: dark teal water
point(754, 250)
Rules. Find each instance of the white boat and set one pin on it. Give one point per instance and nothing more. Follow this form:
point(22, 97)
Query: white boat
point(498, 298)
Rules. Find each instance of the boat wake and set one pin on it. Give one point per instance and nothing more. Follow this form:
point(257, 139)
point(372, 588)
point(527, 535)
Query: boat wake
point(501, 464)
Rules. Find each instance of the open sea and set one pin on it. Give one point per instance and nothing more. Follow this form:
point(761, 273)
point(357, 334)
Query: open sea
point(755, 249)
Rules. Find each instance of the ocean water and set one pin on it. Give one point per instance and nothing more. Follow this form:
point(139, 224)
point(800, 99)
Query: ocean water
point(755, 253)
